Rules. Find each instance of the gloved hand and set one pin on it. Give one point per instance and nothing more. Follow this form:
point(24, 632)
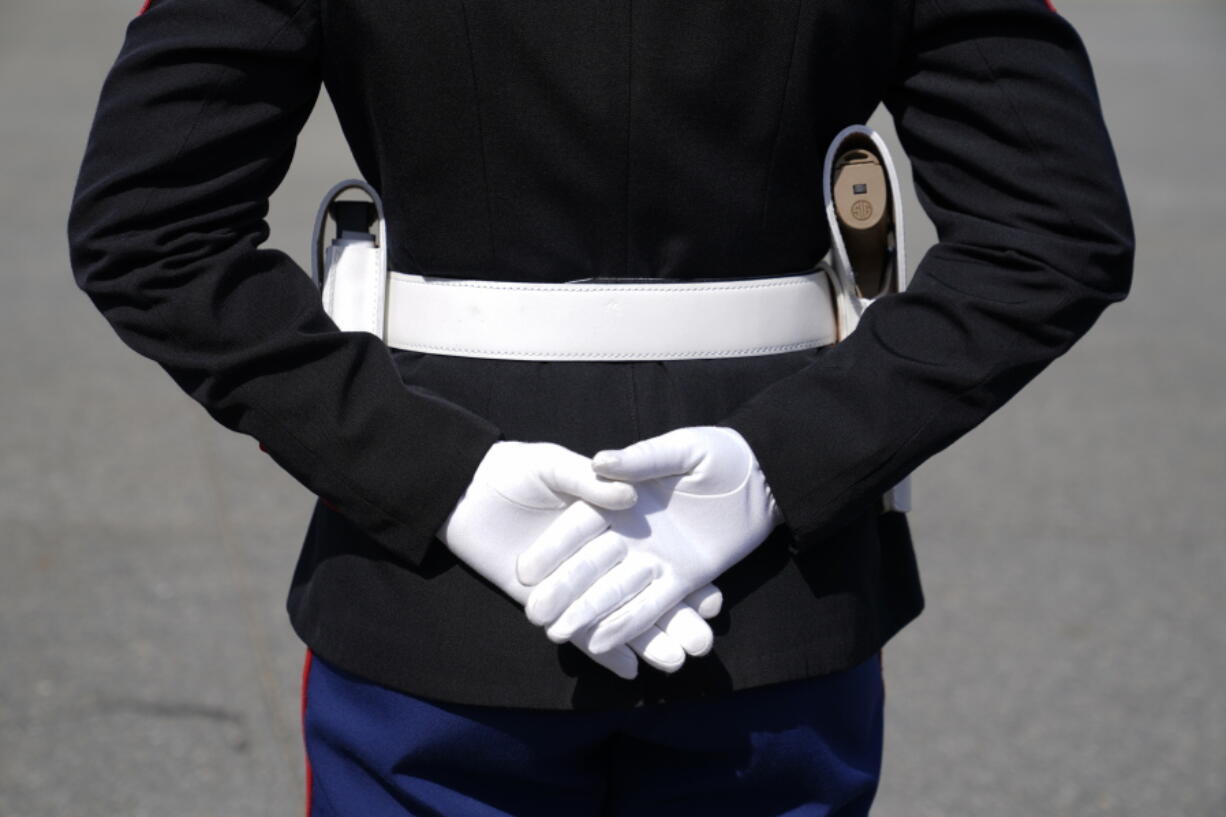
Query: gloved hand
point(522, 492)
point(703, 505)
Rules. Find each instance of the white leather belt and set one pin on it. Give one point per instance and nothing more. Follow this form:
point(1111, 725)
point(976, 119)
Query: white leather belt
point(609, 321)
point(581, 321)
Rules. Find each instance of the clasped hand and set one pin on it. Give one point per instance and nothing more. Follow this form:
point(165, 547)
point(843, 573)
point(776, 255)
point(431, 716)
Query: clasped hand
point(616, 554)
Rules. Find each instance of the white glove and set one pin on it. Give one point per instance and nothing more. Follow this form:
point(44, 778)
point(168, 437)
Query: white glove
point(522, 492)
point(703, 506)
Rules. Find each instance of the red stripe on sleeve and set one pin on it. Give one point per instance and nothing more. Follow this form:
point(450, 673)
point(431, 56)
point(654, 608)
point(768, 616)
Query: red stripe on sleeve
point(306, 677)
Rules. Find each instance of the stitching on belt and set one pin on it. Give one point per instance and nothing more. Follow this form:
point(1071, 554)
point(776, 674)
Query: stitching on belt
point(590, 289)
point(754, 350)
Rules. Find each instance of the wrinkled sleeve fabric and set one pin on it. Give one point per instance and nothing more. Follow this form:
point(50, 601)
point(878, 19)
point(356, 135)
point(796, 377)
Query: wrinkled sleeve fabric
point(996, 106)
point(194, 130)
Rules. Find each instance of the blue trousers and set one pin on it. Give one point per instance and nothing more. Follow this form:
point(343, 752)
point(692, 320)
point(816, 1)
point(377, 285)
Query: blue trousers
point(810, 748)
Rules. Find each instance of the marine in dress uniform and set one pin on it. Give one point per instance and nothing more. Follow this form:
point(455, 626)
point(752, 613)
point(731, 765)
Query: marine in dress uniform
point(544, 141)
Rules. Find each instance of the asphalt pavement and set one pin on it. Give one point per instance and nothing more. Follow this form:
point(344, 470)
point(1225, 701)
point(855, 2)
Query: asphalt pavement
point(1072, 657)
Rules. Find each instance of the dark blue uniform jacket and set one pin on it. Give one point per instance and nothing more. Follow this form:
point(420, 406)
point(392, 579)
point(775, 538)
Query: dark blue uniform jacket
point(552, 140)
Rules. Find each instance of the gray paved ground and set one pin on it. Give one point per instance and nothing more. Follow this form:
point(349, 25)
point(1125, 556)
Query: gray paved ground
point(1073, 655)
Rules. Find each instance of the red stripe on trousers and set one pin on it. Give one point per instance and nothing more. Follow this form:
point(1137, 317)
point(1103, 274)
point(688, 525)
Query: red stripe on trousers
point(306, 677)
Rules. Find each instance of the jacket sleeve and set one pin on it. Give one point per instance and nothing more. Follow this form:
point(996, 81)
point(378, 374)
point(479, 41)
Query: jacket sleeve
point(995, 104)
point(194, 130)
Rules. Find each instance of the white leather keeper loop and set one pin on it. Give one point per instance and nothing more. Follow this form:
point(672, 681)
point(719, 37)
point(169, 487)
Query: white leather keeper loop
point(607, 321)
point(352, 270)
